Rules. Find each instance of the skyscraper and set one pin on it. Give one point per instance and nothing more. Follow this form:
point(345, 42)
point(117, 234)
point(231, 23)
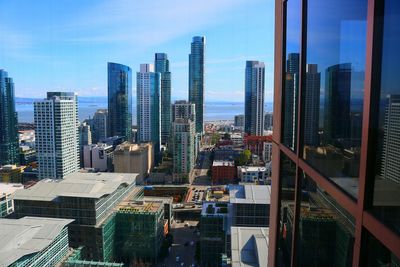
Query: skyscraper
point(254, 98)
point(183, 136)
point(85, 138)
point(239, 120)
point(9, 144)
point(56, 133)
point(119, 101)
point(337, 103)
point(311, 105)
point(391, 140)
point(182, 109)
point(161, 63)
point(148, 106)
point(99, 125)
point(196, 79)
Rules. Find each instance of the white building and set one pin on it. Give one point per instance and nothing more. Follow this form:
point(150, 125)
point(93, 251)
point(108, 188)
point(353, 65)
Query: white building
point(56, 134)
point(267, 152)
point(6, 198)
point(98, 157)
point(253, 174)
point(237, 139)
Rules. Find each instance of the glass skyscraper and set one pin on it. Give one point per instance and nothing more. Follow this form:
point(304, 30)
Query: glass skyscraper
point(254, 98)
point(120, 101)
point(9, 148)
point(196, 79)
point(161, 63)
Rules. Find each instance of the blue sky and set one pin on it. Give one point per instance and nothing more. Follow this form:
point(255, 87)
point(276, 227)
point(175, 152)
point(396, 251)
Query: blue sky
point(66, 44)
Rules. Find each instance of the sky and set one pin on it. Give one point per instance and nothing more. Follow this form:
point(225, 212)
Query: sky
point(65, 45)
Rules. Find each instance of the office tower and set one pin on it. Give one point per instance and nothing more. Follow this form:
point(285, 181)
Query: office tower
point(119, 101)
point(335, 202)
point(196, 79)
point(311, 105)
point(56, 133)
point(254, 98)
point(391, 140)
point(9, 144)
point(148, 105)
point(98, 157)
point(268, 121)
point(85, 138)
point(99, 125)
point(337, 103)
point(239, 121)
point(291, 96)
point(183, 144)
point(182, 109)
point(162, 66)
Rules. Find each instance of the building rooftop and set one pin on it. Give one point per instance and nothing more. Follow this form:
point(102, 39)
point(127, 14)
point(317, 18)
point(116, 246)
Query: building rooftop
point(140, 206)
point(249, 246)
point(217, 163)
point(215, 208)
point(27, 235)
point(252, 169)
point(250, 194)
point(6, 189)
point(85, 185)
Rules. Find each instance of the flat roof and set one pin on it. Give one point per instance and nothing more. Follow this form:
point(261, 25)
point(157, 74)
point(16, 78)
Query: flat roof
point(27, 235)
point(141, 206)
point(6, 189)
point(249, 246)
point(223, 163)
point(79, 184)
point(252, 168)
point(250, 194)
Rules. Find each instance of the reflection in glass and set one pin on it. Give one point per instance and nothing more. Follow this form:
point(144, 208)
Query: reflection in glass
point(291, 81)
point(326, 230)
point(386, 202)
point(333, 89)
point(287, 192)
point(378, 255)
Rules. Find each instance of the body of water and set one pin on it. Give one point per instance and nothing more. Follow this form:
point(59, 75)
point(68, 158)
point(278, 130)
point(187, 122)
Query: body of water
point(88, 106)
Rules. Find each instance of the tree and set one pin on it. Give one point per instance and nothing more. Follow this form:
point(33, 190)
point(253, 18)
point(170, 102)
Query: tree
point(243, 158)
point(215, 138)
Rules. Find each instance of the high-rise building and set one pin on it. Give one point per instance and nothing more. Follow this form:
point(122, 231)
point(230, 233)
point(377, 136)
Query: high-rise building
point(56, 134)
point(99, 125)
point(391, 140)
point(254, 98)
point(334, 196)
point(183, 148)
point(268, 121)
point(85, 138)
point(182, 109)
point(239, 120)
point(162, 66)
point(196, 79)
point(148, 106)
point(9, 150)
point(311, 105)
point(119, 101)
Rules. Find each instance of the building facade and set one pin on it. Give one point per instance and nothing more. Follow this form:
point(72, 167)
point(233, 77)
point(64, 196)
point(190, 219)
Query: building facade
point(148, 106)
point(334, 202)
point(98, 157)
point(183, 148)
point(99, 125)
point(9, 145)
point(196, 79)
point(119, 100)
point(182, 109)
point(223, 172)
point(56, 134)
point(254, 98)
point(161, 63)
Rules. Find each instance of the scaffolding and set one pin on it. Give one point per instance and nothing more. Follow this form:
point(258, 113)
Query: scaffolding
point(75, 260)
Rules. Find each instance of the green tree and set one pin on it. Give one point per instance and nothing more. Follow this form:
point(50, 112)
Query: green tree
point(243, 158)
point(215, 138)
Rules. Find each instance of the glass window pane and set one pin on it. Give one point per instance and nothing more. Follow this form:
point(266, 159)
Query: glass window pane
point(286, 210)
point(386, 203)
point(333, 89)
point(378, 255)
point(291, 81)
point(326, 230)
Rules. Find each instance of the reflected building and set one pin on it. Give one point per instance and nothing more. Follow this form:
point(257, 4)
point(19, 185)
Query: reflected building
point(9, 143)
point(99, 125)
point(311, 105)
point(162, 66)
point(254, 98)
point(119, 101)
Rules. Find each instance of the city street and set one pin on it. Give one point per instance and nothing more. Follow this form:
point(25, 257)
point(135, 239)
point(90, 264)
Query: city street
point(184, 245)
point(203, 164)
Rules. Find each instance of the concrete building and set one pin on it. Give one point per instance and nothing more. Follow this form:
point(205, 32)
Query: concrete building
point(6, 198)
point(11, 174)
point(268, 121)
point(26, 155)
point(98, 157)
point(87, 198)
point(182, 109)
point(254, 98)
point(183, 148)
point(196, 79)
point(56, 134)
point(99, 125)
point(256, 144)
point(85, 138)
point(239, 120)
point(33, 242)
point(237, 139)
point(267, 152)
point(134, 158)
point(148, 106)
point(253, 174)
point(223, 172)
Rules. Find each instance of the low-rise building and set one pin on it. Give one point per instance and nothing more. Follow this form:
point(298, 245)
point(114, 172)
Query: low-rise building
point(134, 158)
point(26, 155)
point(223, 172)
point(6, 198)
point(267, 152)
point(237, 139)
point(33, 242)
point(98, 157)
point(11, 174)
point(253, 174)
